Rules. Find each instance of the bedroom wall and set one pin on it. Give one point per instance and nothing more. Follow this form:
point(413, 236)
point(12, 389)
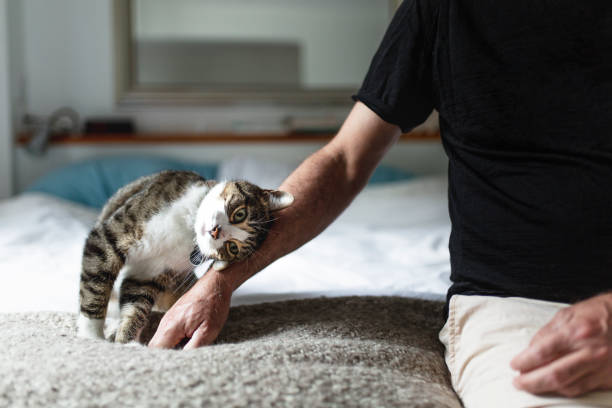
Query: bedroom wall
point(16, 62)
point(6, 145)
point(68, 55)
point(361, 27)
point(67, 60)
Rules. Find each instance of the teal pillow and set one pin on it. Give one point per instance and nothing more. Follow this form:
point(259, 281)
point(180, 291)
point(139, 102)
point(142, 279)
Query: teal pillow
point(388, 174)
point(92, 182)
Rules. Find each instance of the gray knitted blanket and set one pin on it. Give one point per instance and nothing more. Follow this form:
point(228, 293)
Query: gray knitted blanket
point(356, 351)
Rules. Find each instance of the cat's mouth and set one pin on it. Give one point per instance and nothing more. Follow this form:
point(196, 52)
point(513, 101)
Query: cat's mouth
point(219, 261)
point(196, 258)
point(209, 252)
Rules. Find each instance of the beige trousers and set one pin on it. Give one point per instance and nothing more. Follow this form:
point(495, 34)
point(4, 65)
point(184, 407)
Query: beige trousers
point(481, 336)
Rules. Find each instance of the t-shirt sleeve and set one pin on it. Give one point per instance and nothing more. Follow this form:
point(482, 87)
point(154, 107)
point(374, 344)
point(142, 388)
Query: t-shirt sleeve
point(398, 86)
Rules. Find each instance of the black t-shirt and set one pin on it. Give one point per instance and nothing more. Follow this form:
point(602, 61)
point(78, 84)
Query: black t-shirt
point(524, 91)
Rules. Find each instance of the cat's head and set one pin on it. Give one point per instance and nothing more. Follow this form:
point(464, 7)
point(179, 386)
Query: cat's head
point(234, 218)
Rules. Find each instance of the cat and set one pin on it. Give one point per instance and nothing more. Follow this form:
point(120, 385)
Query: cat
point(153, 229)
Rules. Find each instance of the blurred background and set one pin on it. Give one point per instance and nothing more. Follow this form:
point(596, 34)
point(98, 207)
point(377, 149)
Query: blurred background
point(95, 93)
point(190, 80)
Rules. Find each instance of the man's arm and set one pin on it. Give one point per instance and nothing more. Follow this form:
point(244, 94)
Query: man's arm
point(323, 186)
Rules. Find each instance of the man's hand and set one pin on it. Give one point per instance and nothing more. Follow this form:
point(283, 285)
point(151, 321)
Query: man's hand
point(199, 315)
point(572, 354)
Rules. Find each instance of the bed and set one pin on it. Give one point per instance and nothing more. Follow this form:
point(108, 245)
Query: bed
point(350, 319)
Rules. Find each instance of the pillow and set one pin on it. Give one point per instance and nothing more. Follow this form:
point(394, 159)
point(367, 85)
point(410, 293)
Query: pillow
point(270, 174)
point(388, 174)
point(414, 202)
point(92, 182)
point(264, 173)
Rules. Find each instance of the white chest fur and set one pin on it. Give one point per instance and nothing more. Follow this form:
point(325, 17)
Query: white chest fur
point(168, 238)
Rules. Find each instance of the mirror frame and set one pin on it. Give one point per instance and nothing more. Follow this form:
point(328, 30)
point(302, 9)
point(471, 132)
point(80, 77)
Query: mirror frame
point(128, 94)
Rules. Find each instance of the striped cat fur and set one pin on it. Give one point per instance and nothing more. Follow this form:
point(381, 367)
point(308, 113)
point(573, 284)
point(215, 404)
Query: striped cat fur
point(146, 233)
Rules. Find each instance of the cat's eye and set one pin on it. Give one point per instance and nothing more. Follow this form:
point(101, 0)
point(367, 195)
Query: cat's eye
point(239, 215)
point(232, 247)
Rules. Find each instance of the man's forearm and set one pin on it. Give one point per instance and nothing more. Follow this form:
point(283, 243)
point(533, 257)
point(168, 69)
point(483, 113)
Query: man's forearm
point(315, 206)
point(323, 186)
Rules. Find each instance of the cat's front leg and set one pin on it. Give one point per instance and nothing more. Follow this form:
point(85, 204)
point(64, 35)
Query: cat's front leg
point(136, 299)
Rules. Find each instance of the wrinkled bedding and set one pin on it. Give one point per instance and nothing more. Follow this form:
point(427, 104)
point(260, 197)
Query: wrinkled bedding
point(326, 352)
point(393, 240)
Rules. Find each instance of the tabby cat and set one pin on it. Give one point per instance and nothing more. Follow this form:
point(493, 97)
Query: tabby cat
point(149, 233)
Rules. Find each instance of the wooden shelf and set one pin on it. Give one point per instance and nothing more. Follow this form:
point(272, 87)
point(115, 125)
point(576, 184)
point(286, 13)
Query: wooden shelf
point(203, 138)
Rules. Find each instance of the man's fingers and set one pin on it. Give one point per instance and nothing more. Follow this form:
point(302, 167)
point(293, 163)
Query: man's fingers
point(201, 337)
point(547, 347)
point(165, 337)
point(583, 385)
point(559, 374)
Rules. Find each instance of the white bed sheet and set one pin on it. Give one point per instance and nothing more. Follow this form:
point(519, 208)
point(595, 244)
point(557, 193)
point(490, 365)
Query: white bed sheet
point(393, 240)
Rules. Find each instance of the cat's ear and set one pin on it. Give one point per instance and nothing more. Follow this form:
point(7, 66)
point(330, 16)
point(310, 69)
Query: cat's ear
point(279, 199)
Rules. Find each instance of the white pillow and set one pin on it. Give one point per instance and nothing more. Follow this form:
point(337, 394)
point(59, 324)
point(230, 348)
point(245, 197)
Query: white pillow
point(266, 174)
point(402, 203)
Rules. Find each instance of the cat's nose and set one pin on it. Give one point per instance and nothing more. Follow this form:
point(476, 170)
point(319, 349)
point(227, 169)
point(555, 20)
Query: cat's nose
point(214, 233)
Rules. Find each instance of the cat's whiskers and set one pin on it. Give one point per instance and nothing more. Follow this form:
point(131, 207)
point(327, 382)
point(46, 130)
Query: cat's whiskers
point(255, 257)
point(265, 222)
point(185, 284)
point(188, 277)
point(270, 232)
point(179, 286)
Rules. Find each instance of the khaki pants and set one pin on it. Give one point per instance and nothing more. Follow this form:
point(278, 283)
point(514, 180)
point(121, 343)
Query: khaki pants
point(481, 336)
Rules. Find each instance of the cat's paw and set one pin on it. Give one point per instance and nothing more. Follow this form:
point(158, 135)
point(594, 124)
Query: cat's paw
point(133, 344)
point(90, 328)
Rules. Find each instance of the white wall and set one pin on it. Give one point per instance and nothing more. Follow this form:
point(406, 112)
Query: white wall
point(337, 41)
point(66, 59)
point(68, 55)
point(6, 130)
point(16, 59)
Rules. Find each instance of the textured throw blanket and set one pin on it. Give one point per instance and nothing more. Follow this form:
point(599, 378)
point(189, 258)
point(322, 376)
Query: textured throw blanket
point(356, 351)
